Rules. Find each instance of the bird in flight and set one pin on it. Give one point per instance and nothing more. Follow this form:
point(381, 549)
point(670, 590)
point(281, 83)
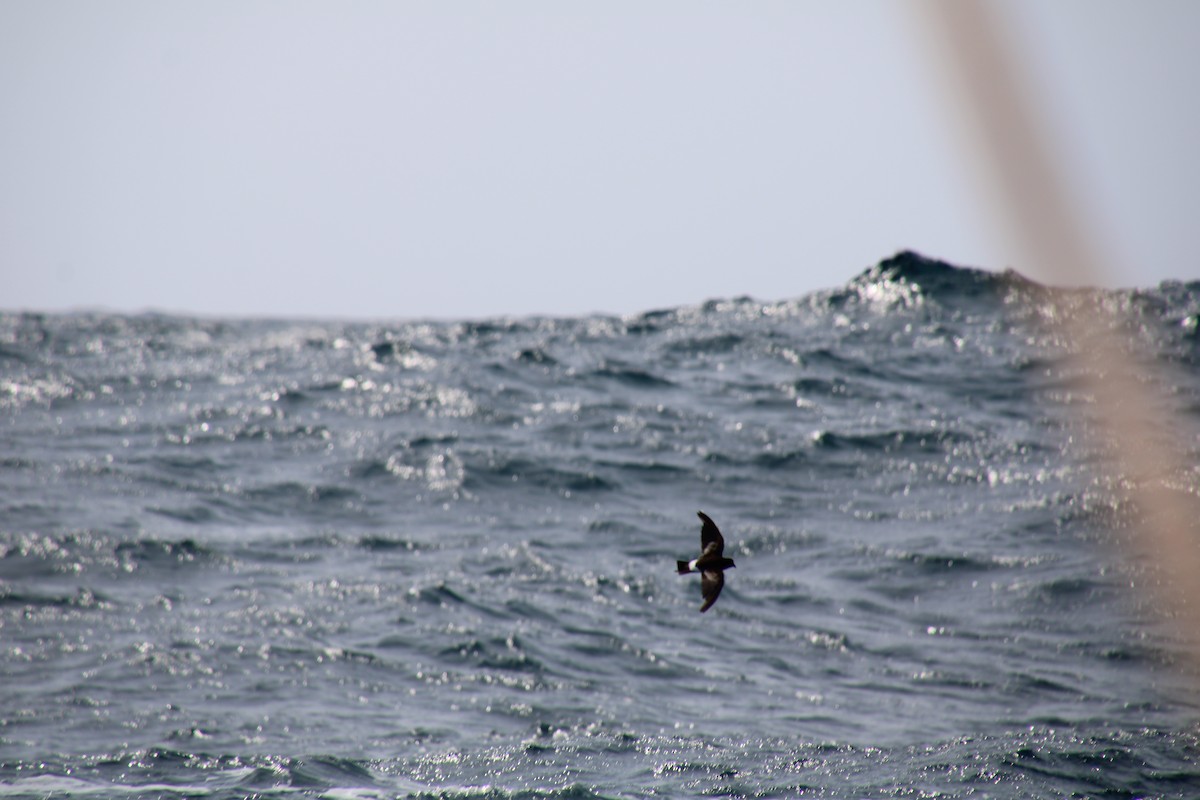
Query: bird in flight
point(711, 564)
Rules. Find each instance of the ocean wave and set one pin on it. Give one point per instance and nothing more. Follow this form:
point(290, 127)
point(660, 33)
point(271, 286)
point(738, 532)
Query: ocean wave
point(573, 763)
point(438, 558)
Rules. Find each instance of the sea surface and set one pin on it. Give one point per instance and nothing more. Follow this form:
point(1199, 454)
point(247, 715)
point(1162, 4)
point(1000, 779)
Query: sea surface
point(265, 558)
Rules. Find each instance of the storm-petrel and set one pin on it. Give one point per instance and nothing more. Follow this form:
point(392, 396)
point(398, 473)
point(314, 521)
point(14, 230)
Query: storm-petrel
point(711, 564)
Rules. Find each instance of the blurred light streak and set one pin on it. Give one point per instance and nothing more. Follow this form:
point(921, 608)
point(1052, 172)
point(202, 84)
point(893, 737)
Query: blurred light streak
point(1013, 155)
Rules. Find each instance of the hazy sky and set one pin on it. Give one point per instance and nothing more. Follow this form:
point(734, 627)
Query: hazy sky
point(465, 159)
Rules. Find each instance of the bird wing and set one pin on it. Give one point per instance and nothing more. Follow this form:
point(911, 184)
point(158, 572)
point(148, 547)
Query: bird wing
point(711, 541)
point(712, 581)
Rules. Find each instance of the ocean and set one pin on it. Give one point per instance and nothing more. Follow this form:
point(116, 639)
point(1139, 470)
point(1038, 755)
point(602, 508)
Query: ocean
point(436, 559)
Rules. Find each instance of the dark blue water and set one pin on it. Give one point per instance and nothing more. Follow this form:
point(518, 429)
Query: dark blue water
point(436, 559)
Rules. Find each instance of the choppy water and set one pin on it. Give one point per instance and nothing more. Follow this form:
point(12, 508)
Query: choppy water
point(437, 559)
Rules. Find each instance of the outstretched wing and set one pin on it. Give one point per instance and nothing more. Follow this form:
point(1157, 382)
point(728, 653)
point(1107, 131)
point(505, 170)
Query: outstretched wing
point(712, 581)
point(711, 541)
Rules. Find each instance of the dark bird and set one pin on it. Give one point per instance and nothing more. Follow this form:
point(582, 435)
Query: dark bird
point(711, 564)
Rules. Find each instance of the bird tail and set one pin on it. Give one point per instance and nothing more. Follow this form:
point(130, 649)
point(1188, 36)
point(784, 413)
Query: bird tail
point(683, 568)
